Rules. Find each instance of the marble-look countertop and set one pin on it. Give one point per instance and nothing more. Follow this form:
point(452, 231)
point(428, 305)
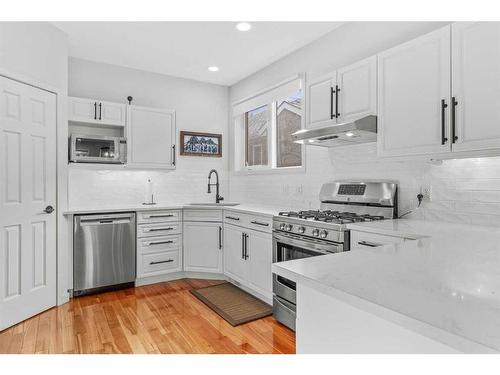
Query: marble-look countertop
point(448, 279)
point(243, 207)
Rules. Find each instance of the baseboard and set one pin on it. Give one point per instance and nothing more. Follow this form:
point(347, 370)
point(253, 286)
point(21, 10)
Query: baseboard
point(179, 275)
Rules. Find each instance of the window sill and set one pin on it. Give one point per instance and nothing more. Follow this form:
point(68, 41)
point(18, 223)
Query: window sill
point(270, 171)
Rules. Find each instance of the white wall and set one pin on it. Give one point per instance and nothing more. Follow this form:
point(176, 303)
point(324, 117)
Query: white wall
point(199, 107)
point(458, 186)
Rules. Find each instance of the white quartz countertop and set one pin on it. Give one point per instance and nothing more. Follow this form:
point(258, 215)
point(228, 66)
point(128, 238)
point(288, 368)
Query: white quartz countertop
point(243, 207)
point(448, 278)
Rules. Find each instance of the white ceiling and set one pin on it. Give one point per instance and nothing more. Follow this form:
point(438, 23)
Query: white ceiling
point(187, 49)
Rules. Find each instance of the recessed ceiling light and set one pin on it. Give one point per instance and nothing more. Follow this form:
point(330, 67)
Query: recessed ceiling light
point(243, 26)
point(213, 68)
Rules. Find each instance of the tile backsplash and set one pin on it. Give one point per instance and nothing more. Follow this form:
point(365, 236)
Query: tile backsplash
point(464, 191)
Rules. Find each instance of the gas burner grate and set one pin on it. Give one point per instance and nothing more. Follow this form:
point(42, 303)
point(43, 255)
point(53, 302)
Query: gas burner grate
point(330, 216)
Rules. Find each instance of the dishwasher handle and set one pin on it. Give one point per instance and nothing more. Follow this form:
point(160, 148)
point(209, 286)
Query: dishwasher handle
point(90, 220)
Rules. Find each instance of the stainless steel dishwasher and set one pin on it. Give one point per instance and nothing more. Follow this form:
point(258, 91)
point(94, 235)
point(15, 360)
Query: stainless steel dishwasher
point(104, 252)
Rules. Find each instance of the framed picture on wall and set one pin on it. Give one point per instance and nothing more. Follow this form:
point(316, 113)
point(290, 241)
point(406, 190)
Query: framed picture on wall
point(201, 144)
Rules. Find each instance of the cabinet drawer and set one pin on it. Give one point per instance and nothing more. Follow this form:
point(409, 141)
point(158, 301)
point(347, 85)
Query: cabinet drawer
point(251, 221)
point(158, 216)
point(158, 229)
point(363, 240)
point(152, 264)
point(155, 244)
point(194, 214)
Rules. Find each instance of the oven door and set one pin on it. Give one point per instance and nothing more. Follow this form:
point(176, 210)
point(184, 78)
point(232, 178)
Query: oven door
point(95, 149)
point(289, 247)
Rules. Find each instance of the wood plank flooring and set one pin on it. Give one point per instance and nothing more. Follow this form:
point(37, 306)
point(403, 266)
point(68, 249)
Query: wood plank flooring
point(159, 318)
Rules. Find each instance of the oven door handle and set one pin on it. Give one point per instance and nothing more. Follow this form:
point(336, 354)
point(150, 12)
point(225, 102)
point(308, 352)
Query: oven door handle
point(322, 248)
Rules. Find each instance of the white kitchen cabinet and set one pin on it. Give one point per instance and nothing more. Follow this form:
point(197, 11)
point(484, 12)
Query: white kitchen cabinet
point(357, 90)
point(95, 111)
point(320, 100)
point(476, 84)
point(235, 265)
point(365, 240)
point(259, 259)
point(202, 247)
point(150, 137)
point(413, 79)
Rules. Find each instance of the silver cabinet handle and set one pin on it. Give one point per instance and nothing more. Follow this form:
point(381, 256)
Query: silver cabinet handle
point(259, 223)
point(162, 261)
point(242, 245)
point(159, 243)
point(369, 244)
point(232, 218)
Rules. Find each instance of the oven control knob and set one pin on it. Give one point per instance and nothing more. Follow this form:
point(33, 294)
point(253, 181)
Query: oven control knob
point(282, 226)
point(315, 232)
point(323, 234)
point(301, 229)
point(288, 227)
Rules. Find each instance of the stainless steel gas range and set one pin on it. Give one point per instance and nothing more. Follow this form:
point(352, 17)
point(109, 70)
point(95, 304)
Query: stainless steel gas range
point(310, 233)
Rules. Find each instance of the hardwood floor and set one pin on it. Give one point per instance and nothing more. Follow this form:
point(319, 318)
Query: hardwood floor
point(159, 318)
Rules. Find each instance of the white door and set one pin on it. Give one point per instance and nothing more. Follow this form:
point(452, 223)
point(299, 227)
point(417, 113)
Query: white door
point(234, 262)
point(358, 89)
point(112, 113)
point(321, 101)
point(476, 84)
point(150, 137)
point(259, 252)
point(413, 79)
point(202, 247)
point(27, 187)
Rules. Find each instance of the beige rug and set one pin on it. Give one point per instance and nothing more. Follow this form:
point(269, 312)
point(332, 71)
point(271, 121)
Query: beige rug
point(233, 304)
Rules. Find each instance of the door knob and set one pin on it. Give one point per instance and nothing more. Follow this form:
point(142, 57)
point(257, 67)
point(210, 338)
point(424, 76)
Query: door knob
point(49, 209)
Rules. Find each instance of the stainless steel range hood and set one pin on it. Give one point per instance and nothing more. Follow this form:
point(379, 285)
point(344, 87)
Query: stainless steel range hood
point(362, 130)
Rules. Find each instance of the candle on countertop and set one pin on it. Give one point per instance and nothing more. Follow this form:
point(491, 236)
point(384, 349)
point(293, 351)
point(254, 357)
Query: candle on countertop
point(148, 196)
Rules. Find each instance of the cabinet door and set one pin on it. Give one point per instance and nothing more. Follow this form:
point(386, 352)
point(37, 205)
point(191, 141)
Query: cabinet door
point(321, 101)
point(259, 260)
point(476, 84)
point(358, 90)
point(83, 110)
point(112, 113)
point(413, 79)
point(235, 265)
point(150, 137)
point(202, 247)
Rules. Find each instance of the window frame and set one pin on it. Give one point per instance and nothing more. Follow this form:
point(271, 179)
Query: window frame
point(271, 167)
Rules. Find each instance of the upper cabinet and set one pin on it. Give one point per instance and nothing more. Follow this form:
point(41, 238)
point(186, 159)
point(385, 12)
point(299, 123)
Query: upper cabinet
point(413, 88)
point(438, 94)
point(320, 98)
point(357, 90)
point(151, 137)
point(350, 92)
point(476, 84)
point(93, 111)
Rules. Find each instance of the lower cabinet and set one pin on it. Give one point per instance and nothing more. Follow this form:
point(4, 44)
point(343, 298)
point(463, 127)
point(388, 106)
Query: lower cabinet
point(202, 247)
point(159, 243)
point(248, 258)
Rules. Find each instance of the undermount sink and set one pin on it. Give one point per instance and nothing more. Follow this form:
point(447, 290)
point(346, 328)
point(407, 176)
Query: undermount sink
point(227, 204)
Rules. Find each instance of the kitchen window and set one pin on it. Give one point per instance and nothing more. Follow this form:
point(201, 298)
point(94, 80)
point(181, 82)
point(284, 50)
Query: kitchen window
point(264, 126)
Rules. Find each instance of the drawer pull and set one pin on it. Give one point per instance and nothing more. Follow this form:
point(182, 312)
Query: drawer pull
point(159, 229)
point(232, 218)
point(259, 223)
point(369, 244)
point(161, 261)
point(159, 243)
point(156, 216)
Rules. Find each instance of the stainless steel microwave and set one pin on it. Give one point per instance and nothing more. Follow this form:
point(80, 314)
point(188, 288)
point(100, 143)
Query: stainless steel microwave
point(97, 149)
